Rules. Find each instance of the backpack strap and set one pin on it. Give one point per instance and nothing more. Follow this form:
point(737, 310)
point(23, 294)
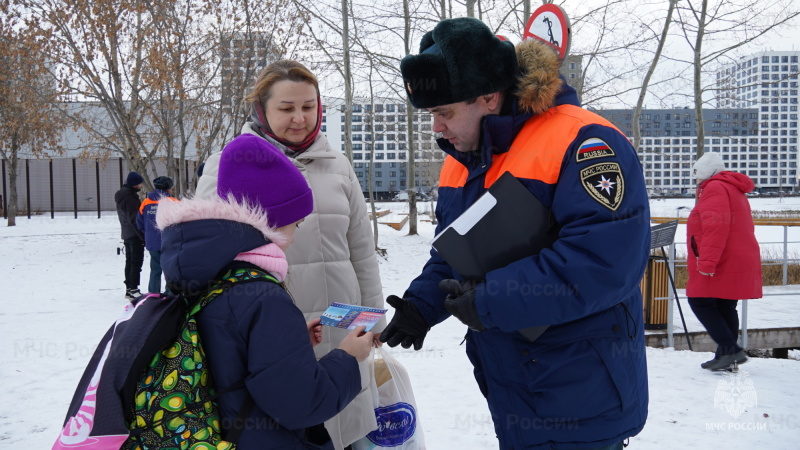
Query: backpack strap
point(234, 274)
point(244, 411)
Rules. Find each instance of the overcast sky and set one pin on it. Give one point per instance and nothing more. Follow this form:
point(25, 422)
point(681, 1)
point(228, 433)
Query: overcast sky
point(623, 20)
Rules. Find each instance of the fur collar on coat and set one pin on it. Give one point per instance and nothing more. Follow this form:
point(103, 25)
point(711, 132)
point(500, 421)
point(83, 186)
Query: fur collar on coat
point(539, 82)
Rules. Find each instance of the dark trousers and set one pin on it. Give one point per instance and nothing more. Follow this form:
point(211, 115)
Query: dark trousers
point(154, 287)
point(617, 446)
point(134, 258)
point(721, 320)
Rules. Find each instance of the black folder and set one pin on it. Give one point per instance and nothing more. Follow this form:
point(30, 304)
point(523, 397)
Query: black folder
point(506, 224)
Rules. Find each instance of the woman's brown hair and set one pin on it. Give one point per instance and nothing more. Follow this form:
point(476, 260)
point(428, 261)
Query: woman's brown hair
point(281, 70)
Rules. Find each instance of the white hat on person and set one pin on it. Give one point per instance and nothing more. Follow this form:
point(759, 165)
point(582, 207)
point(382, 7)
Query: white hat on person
point(708, 165)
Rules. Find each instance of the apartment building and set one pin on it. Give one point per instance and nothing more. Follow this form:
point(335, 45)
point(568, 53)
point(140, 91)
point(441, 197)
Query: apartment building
point(669, 143)
point(768, 82)
point(754, 128)
point(383, 130)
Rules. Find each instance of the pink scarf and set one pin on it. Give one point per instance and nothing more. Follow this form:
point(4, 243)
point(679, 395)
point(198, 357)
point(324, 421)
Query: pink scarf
point(269, 257)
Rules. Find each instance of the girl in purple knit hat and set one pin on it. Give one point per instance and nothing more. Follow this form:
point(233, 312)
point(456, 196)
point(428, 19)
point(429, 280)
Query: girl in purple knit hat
point(253, 331)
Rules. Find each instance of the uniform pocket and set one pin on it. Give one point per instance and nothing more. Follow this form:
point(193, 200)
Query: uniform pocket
point(572, 383)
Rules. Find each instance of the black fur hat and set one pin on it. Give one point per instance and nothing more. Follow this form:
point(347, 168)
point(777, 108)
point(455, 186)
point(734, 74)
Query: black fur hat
point(459, 60)
point(163, 183)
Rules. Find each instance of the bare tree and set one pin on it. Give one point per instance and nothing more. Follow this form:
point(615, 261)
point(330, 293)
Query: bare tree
point(387, 27)
point(403, 27)
point(28, 95)
point(430, 169)
point(369, 124)
point(637, 112)
point(714, 31)
point(348, 82)
point(373, 209)
point(608, 38)
point(471, 8)
point(412, 198)
point(611, 58)
point(189, 57)
point(156, 71)
point(337, 55)
point(102, 48)
point(440, 6)
point(171, 62)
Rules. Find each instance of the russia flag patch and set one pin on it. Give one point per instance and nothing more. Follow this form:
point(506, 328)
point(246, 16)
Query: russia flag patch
point(593, 148)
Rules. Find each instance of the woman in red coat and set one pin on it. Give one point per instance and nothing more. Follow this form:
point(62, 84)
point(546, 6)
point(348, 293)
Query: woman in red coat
point(724, 261)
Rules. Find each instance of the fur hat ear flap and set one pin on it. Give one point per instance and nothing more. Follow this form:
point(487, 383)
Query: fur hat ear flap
point(426, 41)
point(429, 85)
point(459, 60)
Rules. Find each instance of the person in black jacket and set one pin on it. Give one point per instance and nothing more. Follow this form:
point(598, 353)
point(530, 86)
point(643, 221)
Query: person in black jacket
point(127, 199)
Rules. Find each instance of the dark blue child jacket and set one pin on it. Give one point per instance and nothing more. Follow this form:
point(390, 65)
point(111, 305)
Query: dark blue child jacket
point(254, 332)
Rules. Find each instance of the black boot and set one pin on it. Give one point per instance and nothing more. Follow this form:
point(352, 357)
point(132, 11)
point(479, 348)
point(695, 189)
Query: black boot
point(725, 361)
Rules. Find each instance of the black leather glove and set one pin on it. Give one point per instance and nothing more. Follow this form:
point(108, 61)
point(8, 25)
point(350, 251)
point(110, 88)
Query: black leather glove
point(460, 302)
point(407, 326)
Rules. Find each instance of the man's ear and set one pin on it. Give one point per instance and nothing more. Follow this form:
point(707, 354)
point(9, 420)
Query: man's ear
point(493, 102)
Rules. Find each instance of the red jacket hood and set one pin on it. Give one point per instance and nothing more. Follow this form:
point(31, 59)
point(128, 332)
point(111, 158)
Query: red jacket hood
point(739, 180)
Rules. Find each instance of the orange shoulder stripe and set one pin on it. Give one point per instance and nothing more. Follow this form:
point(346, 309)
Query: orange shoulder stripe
point(453, 173)
point(539, 148)
point(146, 202)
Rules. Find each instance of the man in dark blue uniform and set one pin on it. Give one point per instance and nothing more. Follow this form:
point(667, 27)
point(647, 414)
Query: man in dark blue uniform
point(582, 384)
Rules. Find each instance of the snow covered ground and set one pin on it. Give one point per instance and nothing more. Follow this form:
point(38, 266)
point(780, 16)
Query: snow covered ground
point(62, 281)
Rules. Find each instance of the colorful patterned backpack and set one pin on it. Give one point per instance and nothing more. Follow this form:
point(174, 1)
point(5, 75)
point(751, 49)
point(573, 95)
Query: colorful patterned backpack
point(148, 386)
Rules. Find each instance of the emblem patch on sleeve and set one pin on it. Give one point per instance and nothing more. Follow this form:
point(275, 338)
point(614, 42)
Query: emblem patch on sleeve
point(593, 148)
point(604, 183)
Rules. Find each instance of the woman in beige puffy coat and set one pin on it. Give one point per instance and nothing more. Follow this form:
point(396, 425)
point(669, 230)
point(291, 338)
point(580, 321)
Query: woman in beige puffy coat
point(333, 259)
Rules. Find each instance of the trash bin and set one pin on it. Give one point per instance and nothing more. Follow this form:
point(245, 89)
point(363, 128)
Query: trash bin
point(654, 286)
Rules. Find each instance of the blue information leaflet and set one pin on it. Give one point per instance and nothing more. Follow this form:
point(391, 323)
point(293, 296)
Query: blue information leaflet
point(342, 315)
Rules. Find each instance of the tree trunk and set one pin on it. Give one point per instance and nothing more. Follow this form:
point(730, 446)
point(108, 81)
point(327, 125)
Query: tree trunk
point(13, 159)
point(471, 8)
point(698, 87)
point(526, 11)
point(348, 84)
point(412, 187)
point(637, 132)
point(371, 125)
point(411, 184)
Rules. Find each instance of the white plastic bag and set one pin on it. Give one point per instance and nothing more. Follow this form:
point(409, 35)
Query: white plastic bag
point(396, 411)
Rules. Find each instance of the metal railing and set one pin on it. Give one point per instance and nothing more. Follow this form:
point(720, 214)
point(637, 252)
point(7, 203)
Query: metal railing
point(672, 262)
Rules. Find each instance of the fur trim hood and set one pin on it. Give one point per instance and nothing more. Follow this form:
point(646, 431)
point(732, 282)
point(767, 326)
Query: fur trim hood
point(193, 209)
point(539, 82)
